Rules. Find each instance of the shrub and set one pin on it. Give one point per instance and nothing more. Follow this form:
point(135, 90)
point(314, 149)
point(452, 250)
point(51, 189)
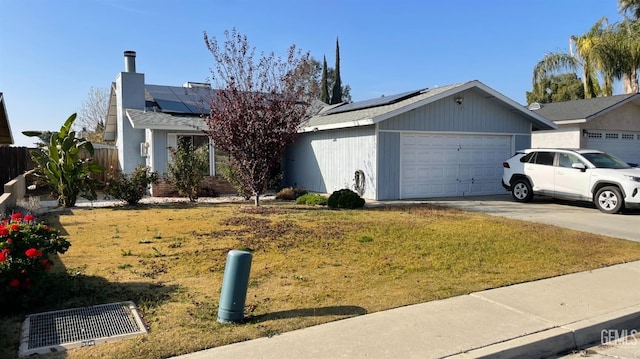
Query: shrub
point(345, 198)
point(24, 254)
point(290, 193)
point(312, 199)
point(188, 168)
point(130, 188)
point(62, 164)
point(231, 175)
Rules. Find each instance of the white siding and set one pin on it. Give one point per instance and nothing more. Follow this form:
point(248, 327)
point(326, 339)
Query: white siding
point(563, 137)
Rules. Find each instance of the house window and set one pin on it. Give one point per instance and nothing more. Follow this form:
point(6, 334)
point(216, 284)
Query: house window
point(611, 136)
point(220, 158)
point(628, 136)
point(196, 142)
point(594, 135)
point(217, 158)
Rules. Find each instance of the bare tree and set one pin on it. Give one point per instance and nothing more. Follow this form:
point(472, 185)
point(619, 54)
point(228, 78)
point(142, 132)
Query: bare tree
point(258, 107)
point(93, 114)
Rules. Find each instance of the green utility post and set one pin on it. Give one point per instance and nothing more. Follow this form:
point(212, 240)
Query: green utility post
point(234, 287)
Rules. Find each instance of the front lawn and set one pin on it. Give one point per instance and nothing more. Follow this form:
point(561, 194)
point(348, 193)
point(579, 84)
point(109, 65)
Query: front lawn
point(310, 265)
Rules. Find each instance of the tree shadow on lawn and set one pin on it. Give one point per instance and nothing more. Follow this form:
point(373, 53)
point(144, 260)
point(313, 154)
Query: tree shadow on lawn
point(67, 290)
point(344, 310)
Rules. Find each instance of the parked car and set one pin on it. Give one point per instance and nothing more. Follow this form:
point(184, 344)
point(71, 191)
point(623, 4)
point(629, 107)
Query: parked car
point(580, 175)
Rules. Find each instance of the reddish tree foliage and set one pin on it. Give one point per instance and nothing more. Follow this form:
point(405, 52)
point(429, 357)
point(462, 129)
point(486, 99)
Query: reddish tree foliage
point(258, 107)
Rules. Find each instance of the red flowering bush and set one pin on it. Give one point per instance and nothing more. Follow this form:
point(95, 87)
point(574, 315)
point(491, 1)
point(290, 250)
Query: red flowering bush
point(25, 247)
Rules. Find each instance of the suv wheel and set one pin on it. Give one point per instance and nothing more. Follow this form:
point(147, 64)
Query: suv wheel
point(521, 190)
point(609, 199)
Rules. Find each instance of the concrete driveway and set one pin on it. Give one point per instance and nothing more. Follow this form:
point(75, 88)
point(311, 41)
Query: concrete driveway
point(579, 216)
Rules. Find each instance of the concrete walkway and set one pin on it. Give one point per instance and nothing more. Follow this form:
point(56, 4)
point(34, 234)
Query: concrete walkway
point(529, 320)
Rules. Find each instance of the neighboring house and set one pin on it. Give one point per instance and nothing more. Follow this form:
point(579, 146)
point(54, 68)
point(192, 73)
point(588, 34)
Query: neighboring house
point(145, 120)
point(6, 138)
point(445, 141)
point(610, 124)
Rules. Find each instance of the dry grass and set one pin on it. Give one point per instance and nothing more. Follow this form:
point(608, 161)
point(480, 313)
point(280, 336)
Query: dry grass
point(310, 265)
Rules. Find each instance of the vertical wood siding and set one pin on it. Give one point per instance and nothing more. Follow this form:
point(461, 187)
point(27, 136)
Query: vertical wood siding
point(475, 114)
point(326, 161)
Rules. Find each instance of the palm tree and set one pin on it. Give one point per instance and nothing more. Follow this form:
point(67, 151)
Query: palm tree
point(618, 48)
point(583, 57)
point(630, 6)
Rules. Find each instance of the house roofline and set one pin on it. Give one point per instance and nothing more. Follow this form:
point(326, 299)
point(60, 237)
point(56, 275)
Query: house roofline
point(4, 121)
point(542, 122)
point(334, 126)
point(612, 107)
point(163, 126)
point(570, 122)
point(111, 122)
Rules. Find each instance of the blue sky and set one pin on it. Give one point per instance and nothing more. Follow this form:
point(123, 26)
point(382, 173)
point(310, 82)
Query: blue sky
point(52, 52)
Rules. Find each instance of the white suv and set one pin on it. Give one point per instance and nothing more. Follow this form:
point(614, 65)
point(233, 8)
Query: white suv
point(583, 175)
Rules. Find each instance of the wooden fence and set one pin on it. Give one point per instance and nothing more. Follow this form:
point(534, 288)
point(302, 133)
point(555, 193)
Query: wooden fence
point(107, 158)
point(17, 160)
point(14, 161)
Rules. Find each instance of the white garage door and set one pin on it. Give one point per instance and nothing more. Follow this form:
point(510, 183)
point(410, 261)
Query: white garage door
point(624, 145)
point(452, 165)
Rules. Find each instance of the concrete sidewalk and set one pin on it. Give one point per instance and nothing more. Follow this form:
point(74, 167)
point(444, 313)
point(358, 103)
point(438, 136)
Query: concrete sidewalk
point(529, 320)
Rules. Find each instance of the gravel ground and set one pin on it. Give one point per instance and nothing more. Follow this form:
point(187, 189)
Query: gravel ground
point(50, 205)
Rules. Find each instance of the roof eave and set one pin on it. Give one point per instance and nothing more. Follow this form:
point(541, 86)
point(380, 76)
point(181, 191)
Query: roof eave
point(334, 126)
point(165, 127)
point(570, 122)
point(4, 123)
point(111, 122)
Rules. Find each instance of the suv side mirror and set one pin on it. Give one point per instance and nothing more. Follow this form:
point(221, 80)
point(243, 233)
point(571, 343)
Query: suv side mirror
point(579, 166)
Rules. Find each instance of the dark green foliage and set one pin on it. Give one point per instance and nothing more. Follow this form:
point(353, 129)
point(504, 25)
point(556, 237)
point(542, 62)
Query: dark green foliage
point(188, 168)
point(25, 250)
point(336, 96)
point(130, 188)
point(64, 162)
point(324, 87)
point(312, 199)
point(557, 88)
point(345, 198)
point(290, 193)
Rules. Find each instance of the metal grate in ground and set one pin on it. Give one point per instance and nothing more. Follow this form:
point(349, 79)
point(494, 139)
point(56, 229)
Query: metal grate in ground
point(72, 328)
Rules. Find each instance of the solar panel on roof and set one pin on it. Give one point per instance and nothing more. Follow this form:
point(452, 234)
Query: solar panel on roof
point(381, 101)
point(176, 99)
point(172, 106)
point(194, 99)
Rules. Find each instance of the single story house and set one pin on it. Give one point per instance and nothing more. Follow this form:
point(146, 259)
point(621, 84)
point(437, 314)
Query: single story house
point(439, 142)
point(6, 138)
point(445, 141)
point(610, 124)
point(146, 120)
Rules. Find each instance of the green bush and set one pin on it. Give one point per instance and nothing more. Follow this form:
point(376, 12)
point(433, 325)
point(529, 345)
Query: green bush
point(290, 193)
point(188, 168)
point(345, 198)
point(312, 199)
point(130, 188)
point(231, 175)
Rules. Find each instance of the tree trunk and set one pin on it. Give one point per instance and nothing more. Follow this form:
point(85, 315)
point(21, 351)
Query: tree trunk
point(257, 202)
point(631, 83)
